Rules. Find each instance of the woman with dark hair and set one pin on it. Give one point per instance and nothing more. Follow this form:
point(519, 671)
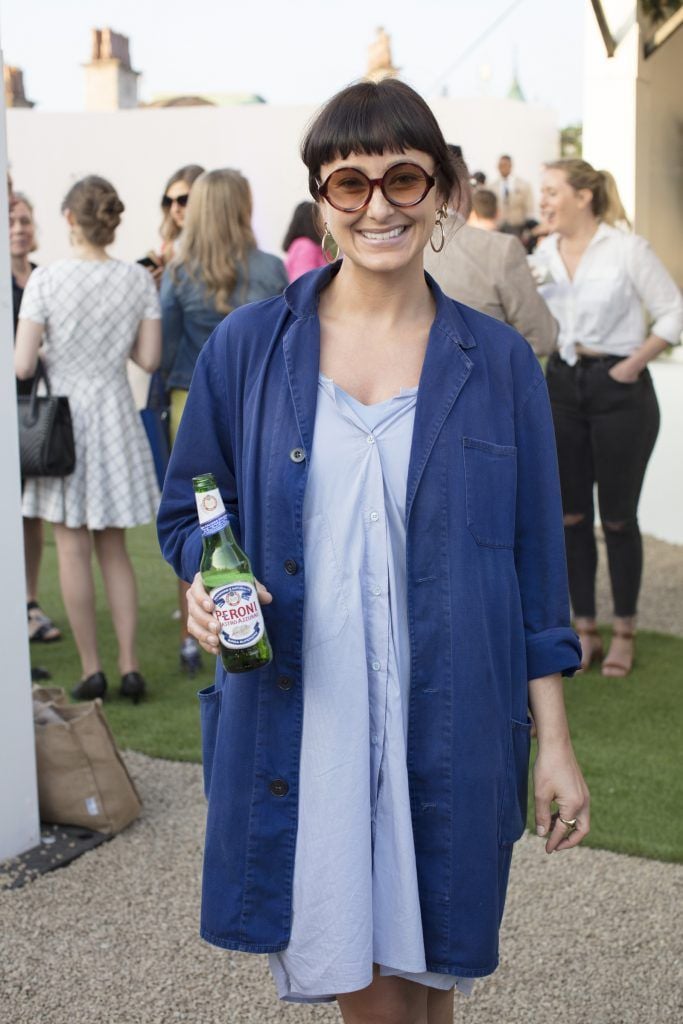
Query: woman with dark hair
point(91, 313)
point(22, 240)
point(302, 242)
point(597, 278)
point(386, 457)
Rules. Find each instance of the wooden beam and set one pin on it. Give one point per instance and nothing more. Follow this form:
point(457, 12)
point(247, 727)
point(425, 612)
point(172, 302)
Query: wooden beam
point(607, 37)
point(664, 32)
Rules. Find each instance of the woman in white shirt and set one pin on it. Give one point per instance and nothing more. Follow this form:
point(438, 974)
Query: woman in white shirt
point(597, 281)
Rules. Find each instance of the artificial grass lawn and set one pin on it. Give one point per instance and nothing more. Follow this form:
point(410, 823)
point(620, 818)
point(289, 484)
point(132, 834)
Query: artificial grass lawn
point(627, 733)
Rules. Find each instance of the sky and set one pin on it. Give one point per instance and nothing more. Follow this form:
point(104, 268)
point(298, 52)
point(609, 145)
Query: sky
point(301, 51)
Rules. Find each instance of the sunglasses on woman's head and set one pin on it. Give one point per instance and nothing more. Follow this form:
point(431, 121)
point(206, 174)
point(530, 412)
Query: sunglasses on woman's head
point(349, 190)
point(167, 202)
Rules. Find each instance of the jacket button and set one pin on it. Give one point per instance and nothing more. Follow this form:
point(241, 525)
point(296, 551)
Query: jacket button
point(284, 682)
point(291, 568)
point(279, 787)
point(297, 455)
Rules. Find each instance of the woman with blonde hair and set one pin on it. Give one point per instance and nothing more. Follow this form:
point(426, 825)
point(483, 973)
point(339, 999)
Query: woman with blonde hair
point(91, 313)
point(218, 268)
point(597, 280)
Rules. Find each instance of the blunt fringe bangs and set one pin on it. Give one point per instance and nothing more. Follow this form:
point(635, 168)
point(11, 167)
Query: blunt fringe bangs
point(375, 118)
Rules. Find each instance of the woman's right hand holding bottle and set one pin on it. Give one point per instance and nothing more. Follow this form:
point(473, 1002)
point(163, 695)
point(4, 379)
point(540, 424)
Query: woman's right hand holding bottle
point(201, 622)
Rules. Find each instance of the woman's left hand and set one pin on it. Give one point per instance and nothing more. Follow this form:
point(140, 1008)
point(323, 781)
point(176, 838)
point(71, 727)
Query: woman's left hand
point(558, 779)
point(625, 372)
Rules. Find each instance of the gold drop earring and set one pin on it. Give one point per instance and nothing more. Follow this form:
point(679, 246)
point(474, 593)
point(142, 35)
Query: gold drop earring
point(438, 223)
point(329, 246)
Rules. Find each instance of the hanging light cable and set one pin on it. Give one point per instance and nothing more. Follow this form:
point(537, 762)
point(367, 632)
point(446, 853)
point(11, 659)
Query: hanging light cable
point(473, 46)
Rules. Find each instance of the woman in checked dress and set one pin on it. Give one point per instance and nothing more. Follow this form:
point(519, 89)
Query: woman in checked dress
point(90, 313)
point(386, 456)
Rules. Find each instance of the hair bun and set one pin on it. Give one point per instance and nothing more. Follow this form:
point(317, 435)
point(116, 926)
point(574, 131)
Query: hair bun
point(96, 207)
point(108, 210)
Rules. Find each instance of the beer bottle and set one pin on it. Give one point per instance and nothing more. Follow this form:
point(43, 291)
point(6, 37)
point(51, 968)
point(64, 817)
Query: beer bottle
point(227, 575)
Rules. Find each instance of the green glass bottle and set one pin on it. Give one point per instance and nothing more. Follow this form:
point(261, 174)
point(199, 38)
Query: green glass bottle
point(227, 576)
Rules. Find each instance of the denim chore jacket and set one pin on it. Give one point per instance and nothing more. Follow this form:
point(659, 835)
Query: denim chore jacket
point(487, 610)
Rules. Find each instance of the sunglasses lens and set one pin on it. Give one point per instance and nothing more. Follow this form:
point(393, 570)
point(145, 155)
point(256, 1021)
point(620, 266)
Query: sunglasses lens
point(405, 184)
point(347, 189)
point(168, 201)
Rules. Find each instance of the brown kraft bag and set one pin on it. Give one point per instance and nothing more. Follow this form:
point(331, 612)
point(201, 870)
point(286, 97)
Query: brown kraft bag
point(82, 779)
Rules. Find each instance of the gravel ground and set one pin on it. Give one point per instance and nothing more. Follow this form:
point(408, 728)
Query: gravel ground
point(661, 598)
point(113, 937)
point(591, 937)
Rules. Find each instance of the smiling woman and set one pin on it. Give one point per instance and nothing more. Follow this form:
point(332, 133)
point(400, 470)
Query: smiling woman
point(387, 457)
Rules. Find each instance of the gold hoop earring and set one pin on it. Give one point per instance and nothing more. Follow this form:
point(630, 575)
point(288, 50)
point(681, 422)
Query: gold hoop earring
point(438, 223)
point(329, 246)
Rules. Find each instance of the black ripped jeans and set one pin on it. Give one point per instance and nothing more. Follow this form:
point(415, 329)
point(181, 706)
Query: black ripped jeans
point(605, 433)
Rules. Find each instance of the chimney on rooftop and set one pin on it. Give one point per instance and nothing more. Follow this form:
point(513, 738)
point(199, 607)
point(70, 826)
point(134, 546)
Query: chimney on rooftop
point(110, 82)
point(14, 88)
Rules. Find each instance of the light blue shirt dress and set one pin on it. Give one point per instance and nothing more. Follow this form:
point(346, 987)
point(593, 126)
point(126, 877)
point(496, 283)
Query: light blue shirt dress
point(355, 895)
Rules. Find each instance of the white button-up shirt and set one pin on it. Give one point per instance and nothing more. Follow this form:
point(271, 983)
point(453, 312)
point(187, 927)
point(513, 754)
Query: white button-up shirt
point(619, 280)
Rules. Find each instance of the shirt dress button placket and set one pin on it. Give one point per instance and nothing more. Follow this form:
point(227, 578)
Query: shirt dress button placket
point(377, 613)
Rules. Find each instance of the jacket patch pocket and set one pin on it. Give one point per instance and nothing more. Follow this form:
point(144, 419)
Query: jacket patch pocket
point(209, 713)
point(325, 609)
point(490, 492)
point(516, 786)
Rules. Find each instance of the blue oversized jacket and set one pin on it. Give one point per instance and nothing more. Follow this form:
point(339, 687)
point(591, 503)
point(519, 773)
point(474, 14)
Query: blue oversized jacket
point(487, 606)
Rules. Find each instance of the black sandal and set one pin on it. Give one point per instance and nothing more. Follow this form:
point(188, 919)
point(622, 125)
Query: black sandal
point(41, 628)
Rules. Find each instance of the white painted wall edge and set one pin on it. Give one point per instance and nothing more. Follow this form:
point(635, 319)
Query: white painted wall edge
point(19, 822)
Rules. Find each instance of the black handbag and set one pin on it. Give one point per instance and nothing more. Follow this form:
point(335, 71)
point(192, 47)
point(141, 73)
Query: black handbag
point(46, 437)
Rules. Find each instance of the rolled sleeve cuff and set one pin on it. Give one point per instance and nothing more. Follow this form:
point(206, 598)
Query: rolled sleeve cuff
point(669, 327)
point(553, 650)
point(192, 555)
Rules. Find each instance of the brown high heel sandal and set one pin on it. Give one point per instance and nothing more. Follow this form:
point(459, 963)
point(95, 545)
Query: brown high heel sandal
point(596, 649)
point(619, 669)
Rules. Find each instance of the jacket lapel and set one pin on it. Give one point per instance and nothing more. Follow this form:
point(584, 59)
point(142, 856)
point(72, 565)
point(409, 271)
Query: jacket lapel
point(301, 345)
point(444, 373)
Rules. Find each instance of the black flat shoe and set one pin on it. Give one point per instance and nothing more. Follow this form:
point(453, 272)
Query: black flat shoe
point(132, 686)
point(90, 688)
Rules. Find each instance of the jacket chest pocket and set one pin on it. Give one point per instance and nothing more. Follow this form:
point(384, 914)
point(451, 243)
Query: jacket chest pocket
point(490, 492)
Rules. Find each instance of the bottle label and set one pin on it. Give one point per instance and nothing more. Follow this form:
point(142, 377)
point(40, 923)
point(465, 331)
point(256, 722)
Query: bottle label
point(211, 511)
point(239, 616)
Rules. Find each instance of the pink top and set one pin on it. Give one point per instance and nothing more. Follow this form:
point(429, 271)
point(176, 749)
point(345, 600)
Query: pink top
point(302, 255)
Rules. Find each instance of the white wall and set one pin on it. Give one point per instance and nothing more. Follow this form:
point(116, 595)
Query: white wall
point(609, 89)
point(138, 150)
point(661, 505)
point(659, 152)
point(632, 127)
point(19, 824)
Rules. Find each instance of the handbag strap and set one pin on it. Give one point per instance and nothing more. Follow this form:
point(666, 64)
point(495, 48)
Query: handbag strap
point(40, 374)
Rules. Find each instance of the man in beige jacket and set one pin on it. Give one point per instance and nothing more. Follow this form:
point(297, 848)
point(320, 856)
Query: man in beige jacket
point(488, 271)
point(515, 198)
